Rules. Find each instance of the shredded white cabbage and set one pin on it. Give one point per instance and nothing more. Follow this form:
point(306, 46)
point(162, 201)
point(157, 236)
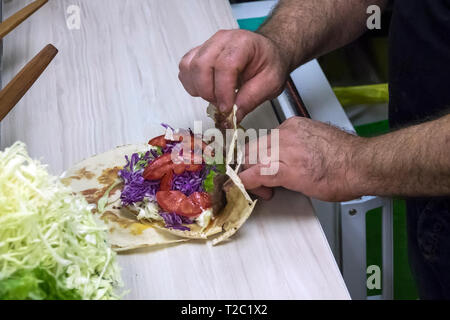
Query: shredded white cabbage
point(204, 219)
point(44, 225)
point(148, 210)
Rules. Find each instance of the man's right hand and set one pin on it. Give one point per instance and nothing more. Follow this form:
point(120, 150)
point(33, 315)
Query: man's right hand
point(231, 60)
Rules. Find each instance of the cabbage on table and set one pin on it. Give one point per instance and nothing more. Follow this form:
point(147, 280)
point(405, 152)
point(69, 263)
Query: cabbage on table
point(51, 245)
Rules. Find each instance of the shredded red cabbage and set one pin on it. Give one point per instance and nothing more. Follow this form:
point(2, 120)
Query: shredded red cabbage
point(169, 146)
point(136, 188)
point(190, 182)
point(154, 153)
point(166, 126)
point(175, 221)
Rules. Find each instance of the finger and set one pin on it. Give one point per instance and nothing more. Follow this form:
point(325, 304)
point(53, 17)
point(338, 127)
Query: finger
point(252, 178)
point(228, 66)
point(202, 69)
point(184, 72)
point(254, 92)
point(257, 150)
point(263, 193)
point(251, 154)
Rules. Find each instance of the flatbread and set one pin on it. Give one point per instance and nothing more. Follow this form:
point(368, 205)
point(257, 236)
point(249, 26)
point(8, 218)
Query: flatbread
point(92, 178)
point(95, 176)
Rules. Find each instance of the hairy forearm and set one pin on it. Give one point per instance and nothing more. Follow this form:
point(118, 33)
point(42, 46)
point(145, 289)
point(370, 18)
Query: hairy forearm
point(411, 162)
point(305, 29)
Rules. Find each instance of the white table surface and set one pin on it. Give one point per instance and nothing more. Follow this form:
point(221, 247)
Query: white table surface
point(112, 83)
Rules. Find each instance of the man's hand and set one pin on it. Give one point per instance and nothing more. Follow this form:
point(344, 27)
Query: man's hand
point(231, 60)
point(326, 163)
point(315, 159)
point(257, 64)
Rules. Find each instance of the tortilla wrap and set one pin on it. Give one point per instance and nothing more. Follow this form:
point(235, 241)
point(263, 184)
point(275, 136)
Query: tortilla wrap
point(92, 178)
point(95, 177)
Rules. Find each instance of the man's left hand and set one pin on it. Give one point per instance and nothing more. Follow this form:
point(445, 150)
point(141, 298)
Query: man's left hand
point(314, 159)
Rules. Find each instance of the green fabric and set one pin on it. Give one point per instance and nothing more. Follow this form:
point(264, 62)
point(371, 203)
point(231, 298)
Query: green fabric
point(404, 285)
point(374, 252)
point(251, 24)
point(370, 94)
point(373, 129)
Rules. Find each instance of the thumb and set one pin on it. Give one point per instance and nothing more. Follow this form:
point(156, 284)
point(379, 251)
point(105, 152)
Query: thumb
point(254, 92)
point(264, 193)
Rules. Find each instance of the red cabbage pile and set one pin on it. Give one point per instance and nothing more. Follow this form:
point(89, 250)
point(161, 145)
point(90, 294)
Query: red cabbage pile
point(190, 182)
point(136, 188)
point(169, 147)
point(175, 221)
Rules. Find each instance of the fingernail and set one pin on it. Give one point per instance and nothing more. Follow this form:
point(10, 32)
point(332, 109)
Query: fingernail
point(222, 108)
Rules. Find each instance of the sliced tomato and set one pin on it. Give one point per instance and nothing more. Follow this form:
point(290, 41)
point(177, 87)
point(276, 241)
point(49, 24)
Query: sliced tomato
point(188, 208)
point(158, 142)
point(163, 164)
point(157, 173)
point(166, 182)
point(193, 140)
point(194, 167)
point(163, 167)
point(161, 141)
point(177, 202)
point(201, 199)
point(170, 201)
point(179, 168)
point(158, 168)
